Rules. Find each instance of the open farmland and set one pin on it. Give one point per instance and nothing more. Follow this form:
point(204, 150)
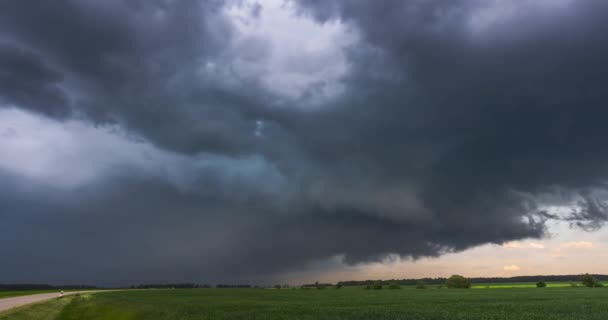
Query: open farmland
point(330, 303)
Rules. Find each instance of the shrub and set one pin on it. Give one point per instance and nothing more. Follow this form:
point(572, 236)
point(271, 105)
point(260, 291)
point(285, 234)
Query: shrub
point(394, 285)
point(541, 284)
point(277, 286)
point(458, 281)
point(439, 286)
point(377, 285)
point(338, 286)
point(590, 281)
point(367, 287)
point(420, 284)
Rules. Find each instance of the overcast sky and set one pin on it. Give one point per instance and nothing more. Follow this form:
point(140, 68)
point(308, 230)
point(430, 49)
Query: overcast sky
point(294, 141)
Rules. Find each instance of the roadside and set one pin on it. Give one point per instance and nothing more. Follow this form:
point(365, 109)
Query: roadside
point(43, 310)
point(13, 302)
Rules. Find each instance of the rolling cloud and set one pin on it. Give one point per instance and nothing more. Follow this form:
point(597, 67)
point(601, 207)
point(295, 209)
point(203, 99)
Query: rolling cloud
point(228, 141)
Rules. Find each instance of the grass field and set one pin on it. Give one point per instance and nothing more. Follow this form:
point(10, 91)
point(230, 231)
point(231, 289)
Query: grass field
point(345, 303)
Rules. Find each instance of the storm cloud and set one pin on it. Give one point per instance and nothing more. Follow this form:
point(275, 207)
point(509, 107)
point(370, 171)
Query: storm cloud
point(209, 141)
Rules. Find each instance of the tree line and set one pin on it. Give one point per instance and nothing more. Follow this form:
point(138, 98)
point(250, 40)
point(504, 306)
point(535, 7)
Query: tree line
point(440, 280)
point(29, 286)
point(187, 286)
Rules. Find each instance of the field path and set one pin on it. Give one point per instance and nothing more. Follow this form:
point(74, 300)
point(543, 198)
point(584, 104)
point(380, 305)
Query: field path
point(13, 302)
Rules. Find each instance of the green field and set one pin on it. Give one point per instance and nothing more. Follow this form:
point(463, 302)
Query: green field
point(345, 303)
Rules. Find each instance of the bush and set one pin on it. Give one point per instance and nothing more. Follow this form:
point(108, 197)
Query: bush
point(420, 284)
point(367, 287)
point(573, 284)
point(377, 285)
point(541, 284)
point(590, 281)
point(338, 286)
point(458, 281)
point(394, 285)
point(439, 286)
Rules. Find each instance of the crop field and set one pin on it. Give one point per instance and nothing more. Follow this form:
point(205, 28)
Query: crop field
point(330, 303)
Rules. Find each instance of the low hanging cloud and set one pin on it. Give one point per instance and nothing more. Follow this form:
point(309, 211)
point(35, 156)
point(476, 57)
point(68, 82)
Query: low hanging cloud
point(518, 245)
point(577, 245)
point(195, 141)
point(511, 268)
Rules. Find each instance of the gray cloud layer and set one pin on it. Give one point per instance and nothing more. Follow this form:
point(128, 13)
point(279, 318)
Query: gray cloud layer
point(450, 133)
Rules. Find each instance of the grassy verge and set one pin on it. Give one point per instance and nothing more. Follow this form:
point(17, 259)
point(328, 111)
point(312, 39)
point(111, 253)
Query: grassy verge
point(87, 306)
point(48, 310)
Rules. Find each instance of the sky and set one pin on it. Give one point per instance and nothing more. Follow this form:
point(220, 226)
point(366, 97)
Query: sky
point(246, 141)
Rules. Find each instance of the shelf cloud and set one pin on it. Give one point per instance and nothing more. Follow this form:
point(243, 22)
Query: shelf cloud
point(213, 141)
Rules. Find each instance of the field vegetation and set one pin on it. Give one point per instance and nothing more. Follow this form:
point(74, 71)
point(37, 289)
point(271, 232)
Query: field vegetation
point(524, 302)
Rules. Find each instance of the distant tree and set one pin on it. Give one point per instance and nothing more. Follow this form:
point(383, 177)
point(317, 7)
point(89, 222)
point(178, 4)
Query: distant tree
point(458, 281)
point(394, 285)
point(590, 281)
point(277, 286)
point(420, 284)
point(338, 286)
point(377, 285)
point(541, 284)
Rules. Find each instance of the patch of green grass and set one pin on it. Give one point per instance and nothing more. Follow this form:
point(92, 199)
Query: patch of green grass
point(40, 311)
point(348, 303)
point(87, 307)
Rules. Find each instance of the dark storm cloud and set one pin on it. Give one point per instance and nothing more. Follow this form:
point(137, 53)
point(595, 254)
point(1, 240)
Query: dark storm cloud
point(143, 64)
point(450, 133)
point(25, 80)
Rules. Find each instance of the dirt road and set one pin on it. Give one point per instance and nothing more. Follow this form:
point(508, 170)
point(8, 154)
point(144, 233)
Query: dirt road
point(12, 302)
